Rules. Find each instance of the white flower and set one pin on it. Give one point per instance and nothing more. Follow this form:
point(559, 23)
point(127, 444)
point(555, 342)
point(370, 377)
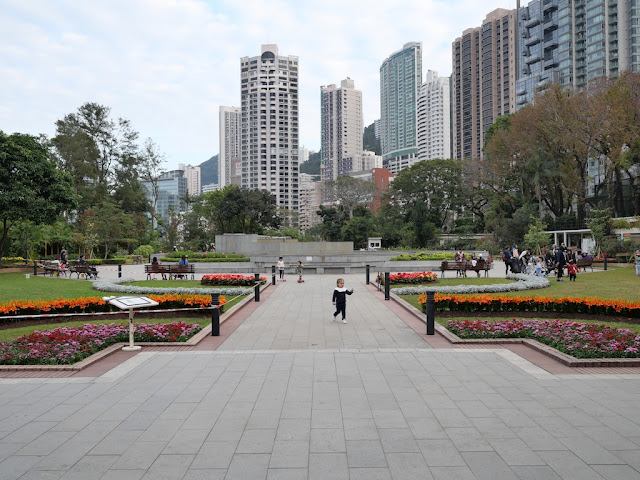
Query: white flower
point(523, 282)
point(115, 286)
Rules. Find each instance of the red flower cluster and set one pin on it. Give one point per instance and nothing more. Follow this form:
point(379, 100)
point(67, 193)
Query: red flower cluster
point(581, 340)
point(490, 303)
point(411, 278)
point(230, 280)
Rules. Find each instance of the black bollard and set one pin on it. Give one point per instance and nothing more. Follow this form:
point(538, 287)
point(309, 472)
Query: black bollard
point(273, 274)
point(387, 286)
point(605, 262)
point(367, 276)
point(35, 268)
point(119, 271)
point(215, 315)
point(431, 313)
point(257, 294)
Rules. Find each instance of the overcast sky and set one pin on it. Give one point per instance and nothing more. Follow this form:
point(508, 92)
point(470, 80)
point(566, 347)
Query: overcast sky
point(167, 65)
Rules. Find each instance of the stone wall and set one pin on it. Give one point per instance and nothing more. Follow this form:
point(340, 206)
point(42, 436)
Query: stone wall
point(258, 245)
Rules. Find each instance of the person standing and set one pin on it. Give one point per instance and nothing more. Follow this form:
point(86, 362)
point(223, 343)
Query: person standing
point(636, 259)
point(340, 300)
point(506, 258)
point(560, 263)
point(299, 271)
point(280, 265)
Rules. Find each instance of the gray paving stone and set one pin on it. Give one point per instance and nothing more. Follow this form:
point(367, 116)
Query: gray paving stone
point(15, 466)
point(569, 466)
point(396, 440)
point(287, 474)
point(328, 465)
point(214, 456)
point(248, 467)
point(452, 473)
point(64, 457)
point(186, 442)
point(206, 474)
point(369, 474)
point(327, 440)
point(488, 466)
point(360, 429)
point(169, 467)
point(408, 466)
point(468, 440)
point(290, 454)
point(257, 441)
point(116, 443)
point(535, 472)
point(440, 453)
point(140, 456)
point(389, 418)
point(617, 472)
point(90, 467)
point(590, 451)
point(365, 453)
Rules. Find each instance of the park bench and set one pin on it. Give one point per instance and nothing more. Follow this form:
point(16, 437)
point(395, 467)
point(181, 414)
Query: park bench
point(173, 271)
point(459, 267)
point(84, 269)
point(52, 268)
point(480, 265)
point(584, 263)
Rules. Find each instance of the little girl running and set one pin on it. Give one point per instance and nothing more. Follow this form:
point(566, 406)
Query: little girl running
point(340, 300)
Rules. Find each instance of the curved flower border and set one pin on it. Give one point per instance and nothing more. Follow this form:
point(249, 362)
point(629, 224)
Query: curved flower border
point(523, 282)
point(116, 286)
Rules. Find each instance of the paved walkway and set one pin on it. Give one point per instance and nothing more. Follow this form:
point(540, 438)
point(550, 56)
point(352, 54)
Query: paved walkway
point(291, 395)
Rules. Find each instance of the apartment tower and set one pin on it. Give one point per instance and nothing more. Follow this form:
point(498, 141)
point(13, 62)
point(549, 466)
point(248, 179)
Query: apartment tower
point(483, 81)
point(229, 160)
point(341, 128)
point(400, 81)
point(434, 118)
point(193, 176)
point(269, 125)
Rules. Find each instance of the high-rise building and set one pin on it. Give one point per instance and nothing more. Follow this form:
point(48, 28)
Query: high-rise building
point(376, 129)
point(193, 176)
point(400, 81)
point(537, 49)
point(597, 38)
point(311, 197)
point(483, 81)
point(434, 118)
point(269, 125)
point(229, 160)
point(171, 193)
point(303, 155)
point(341, 128)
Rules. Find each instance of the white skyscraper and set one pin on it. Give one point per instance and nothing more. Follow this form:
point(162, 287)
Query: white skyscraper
point(229, 162)
point(434, 118)
point(192, 174)
point(269, 128)
point(341, 128)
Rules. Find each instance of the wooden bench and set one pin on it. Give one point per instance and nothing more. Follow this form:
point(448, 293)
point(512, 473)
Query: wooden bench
point(459, 267)
point(173, 271)
point(480, 265)
point(84, 269)
point(584, 263)
point(53, 269)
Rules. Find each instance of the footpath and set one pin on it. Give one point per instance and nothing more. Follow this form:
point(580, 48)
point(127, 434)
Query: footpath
point(286, 393)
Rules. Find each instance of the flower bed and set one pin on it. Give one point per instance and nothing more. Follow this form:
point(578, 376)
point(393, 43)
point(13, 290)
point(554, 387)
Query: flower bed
point(96, 304)
point(230, 279)
point(524, 282)
point(412, 277)
point(65, 345)
point(581, 340)
point(489, 303)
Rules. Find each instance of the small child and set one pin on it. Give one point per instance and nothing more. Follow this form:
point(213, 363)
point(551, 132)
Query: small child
point(539, 266)
point(299, 271)
point(340, 300)
point(572, 270)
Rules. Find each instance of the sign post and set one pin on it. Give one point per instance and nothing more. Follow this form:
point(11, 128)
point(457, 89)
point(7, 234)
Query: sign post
point(130, 303)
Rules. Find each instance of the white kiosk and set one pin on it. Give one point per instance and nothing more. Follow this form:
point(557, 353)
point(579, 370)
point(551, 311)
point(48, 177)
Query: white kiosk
point(129, 303)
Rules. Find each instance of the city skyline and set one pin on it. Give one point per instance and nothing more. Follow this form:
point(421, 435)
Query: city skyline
point(168, 66)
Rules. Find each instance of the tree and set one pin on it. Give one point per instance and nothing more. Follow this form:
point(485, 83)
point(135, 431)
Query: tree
point(333, 220)
point(349, 191)
point(436, 184)
point(151, 160)
point(600, 226)
point(537, 237)
point(31, 187)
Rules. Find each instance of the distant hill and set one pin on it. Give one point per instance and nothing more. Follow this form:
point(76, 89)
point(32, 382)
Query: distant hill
point(209, 171)
point(311, 166)
point(369, 140)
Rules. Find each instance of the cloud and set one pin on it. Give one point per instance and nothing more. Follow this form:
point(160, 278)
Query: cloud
point(168, 65)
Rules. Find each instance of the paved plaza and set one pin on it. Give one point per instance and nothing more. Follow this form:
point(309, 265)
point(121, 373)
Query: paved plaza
point(292, 395)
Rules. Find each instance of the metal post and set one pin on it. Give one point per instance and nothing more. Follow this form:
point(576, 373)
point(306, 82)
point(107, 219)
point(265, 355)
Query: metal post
point(273, 274)
point(215, 315)
point(257, 287)
point(605, 262)
point(387, 287)
point(35, 268)
point(131, 346)
point(367, 276)
point(431, 313)
point(119, 271)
